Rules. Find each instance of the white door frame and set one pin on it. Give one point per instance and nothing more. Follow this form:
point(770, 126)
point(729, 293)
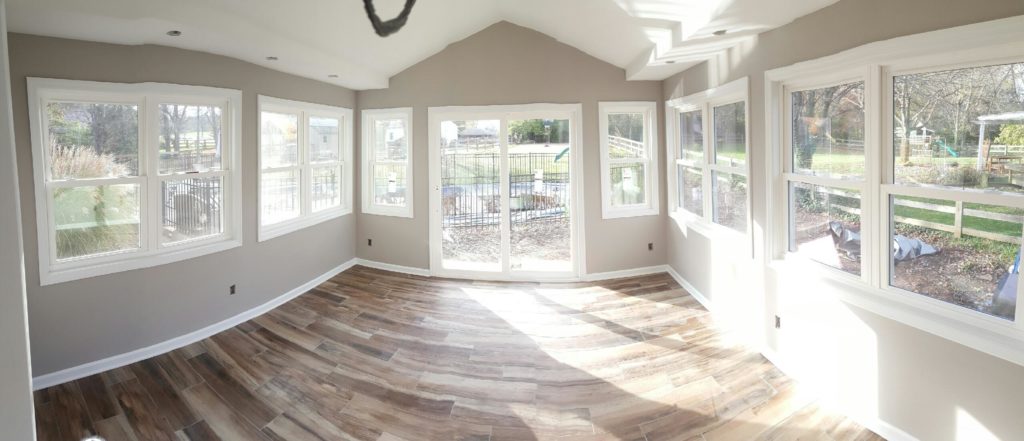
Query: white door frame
point(504, 113)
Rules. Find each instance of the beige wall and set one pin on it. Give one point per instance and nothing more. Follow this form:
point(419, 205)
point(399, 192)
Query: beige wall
point(16, 417)
point(90, 319)
point(508, 64)
point(875, 367)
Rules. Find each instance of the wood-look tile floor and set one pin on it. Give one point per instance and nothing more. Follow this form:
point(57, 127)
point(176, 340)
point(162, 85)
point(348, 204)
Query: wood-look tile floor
point(373, 355)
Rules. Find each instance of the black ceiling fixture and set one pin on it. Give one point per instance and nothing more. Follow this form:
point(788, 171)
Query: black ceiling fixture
point(385, 28)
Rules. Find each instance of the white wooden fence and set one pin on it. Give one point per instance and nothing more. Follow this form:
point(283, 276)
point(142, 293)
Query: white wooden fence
point(957, 210)
point(635, 148)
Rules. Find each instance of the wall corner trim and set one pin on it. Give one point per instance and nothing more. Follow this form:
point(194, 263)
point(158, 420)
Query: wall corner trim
point(116, 361)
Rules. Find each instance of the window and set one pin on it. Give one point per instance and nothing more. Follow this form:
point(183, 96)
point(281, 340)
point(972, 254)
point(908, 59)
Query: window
point(898, 164)
point(825, 175)
point(729, 177)
point(305, 152)
point(957, 132)
point(715, 164)
point(629, 162)
point(387, 162)
point(132, 175)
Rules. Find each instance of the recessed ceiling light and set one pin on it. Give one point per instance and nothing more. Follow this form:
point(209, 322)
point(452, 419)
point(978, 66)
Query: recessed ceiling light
point(174, 33)
point(719, 32)
point(332, 76)
point(271, 58)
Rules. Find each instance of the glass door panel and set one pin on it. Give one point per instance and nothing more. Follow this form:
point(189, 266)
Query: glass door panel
point(539, 195)
point(471, 195)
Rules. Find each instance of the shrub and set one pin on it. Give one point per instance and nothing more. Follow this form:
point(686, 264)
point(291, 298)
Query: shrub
point(1011, 134)
point(966, 176)
point(83, 162)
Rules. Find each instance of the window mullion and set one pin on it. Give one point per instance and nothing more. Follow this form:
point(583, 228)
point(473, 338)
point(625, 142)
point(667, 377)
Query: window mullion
point(305, 173)
point(877, 249)
point(708, 198)
point(849, 184)
point(149, 154)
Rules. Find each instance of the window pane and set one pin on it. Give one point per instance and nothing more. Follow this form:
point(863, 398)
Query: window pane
point(95, 220)
point(326, 187)
point(974, 266)
point(190, 138)
point(628, 184)
point(828, 131)
point(691, 189)
point(731, 134)
point(92, 140)
point(389, 183)
point(324, 139)
point(825, 225)
point(191, 209)
point(730, 200)
point(540, 232)
point(279, 196)
point(279, 140)
point(691, 136)
point(389, 140)
point(471, 192)
point(626, 135)
point(960, 128)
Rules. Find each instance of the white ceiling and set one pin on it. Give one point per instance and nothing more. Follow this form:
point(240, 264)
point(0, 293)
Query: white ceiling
point(651, 39)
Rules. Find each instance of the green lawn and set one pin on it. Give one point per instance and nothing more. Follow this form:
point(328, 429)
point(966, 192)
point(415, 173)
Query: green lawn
point(1006, 251)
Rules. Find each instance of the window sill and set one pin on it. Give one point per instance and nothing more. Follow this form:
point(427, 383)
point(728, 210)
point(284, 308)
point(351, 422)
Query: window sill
point(268, 232)
point(689, 221)
point(627, 212)
point(991, 335)
point(376, 210)
point(60, 273)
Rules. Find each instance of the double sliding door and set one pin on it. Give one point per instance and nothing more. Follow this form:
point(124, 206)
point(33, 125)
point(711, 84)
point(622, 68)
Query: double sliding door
point(504, 198)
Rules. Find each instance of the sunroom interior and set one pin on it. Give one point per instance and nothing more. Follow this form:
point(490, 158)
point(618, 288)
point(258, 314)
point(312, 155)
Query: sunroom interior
point(512, 220)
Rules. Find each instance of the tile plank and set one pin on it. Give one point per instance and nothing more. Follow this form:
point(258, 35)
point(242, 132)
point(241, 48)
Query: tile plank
point(371, 355)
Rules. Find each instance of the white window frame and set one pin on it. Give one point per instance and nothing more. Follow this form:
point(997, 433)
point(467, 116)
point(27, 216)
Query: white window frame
point(307, 217)
point(994, 42)
point(369, 116)
point(651, 205)
point(506, 113)
point(871, 152)
point(151, 252)
point(705, 102)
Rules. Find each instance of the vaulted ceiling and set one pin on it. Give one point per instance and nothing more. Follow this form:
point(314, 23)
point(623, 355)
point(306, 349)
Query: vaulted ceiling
point(332, 40)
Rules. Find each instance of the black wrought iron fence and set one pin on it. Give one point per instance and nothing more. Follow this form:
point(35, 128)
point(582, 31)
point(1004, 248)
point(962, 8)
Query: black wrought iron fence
point(192, 207)
point(470, 183)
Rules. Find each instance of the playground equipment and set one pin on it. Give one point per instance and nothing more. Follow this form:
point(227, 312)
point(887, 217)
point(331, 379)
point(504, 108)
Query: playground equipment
point(942, 143)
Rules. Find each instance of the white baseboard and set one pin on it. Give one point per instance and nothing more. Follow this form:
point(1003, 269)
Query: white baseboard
point(394, 268)
point(699, 296)
point(875, 424)
point(116, 361)
point(882, 428)
point(632, 272)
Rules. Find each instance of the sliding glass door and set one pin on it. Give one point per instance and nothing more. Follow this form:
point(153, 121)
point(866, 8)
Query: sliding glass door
point(503, 195)
point(539, 195)
point(471, 195)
